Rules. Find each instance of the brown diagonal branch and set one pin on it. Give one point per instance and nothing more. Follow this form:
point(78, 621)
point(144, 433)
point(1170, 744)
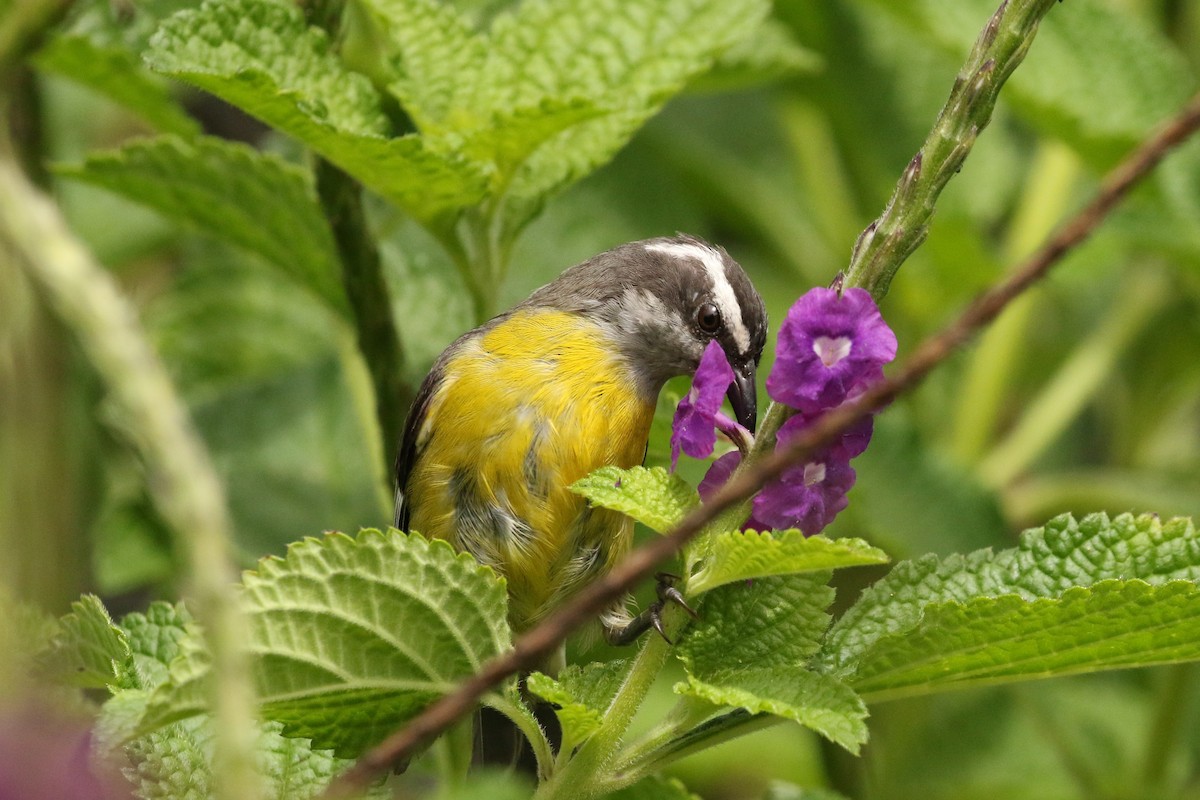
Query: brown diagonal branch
point(532, 648)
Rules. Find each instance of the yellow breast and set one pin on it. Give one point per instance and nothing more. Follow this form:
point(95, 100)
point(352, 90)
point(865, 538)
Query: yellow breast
point(522, 412)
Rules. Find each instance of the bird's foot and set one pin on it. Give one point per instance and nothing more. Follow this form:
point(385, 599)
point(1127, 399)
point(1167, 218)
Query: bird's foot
point(651, 617)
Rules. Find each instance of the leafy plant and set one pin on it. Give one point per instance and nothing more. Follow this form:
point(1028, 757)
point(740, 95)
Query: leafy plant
point(306, 282)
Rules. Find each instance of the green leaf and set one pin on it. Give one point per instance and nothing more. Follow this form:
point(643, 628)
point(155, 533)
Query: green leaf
point(230, 191)
point(582, 695)
point(1063, 554)
point(737, 556)
point(819, 702)
point(987, 640)
point(438, 57)
point(627, 55)
point(1049, 606)
point(353, 637)
point(260, 56)
point(653, 497)
point(113, 71)
point(750, 648)
point(90, 650)
point(154, 639)
point(767, 54)
point(174, 763)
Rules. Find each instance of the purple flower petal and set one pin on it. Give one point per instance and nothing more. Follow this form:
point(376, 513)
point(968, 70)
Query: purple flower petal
point(716, 477)
point(699, 414)
point(853, 442)
point(718, 474)
point(807, 497)
point(829, 347)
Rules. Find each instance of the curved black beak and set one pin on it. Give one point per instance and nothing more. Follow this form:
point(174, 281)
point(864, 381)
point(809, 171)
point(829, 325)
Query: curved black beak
point(743, 395)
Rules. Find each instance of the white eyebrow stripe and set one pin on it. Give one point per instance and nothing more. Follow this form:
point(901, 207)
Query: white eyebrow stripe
point(722, 289)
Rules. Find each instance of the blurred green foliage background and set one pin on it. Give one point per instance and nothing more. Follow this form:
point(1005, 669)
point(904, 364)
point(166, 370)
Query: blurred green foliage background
point(1085, 396)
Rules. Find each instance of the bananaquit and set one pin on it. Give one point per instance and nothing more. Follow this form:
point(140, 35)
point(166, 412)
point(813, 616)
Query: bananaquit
point(515, 411)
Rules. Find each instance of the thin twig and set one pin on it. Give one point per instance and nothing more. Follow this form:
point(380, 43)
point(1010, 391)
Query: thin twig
point(538, 643)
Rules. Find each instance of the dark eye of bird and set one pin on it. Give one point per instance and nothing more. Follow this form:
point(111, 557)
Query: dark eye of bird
point(708, 317)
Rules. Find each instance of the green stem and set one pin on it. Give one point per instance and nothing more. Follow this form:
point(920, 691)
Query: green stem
point(889, 240)
point(666, 746)
point(528, 726)
point(1171, 719)
point(23, 25)
point(577, 780)
point(1083, 373)
point(470, 247)
point(182, 480)
point(362, 277)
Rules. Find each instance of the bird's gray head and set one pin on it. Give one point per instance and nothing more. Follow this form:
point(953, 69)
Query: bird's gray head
point(663, 301)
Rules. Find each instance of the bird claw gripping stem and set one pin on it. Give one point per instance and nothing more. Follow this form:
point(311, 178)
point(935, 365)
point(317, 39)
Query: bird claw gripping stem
point(651, 617)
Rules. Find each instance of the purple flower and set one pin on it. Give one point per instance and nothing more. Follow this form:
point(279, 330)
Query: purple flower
point(829, 347)
point(699, 414)
point(807, 497)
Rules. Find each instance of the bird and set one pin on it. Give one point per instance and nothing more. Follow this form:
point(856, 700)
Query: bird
point(516, 410)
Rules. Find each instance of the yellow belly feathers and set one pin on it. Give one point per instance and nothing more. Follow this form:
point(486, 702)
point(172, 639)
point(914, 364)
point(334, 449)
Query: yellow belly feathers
point(523, 411)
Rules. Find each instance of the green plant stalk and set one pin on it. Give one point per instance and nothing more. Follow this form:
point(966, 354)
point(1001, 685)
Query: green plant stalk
point(994, 360)
point(181, 480)
point(22, 26)
point(533, 732)
point(362, 277)
point(580, 778)
point(889, 240)
point(1083, 373)
point(649, 756)
point(1171, 717)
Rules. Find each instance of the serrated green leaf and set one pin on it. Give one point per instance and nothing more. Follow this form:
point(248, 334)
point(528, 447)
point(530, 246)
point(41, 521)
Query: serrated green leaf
point(114, 72)
point(353, 637)
point(1048, 562)
point(175, 764)
point(627, 55)
point(90, 650)
point(230, 191)
point(438, 57)
point(260, 56)
point(819, 702)
point(648, 50)
point(750, 649)
point(745, 555)
point(653, 497)
point(154, 639)
point(582, 695)
point(1110, 625)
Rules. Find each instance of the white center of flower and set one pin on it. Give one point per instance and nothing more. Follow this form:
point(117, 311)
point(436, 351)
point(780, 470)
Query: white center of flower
point(831, 350)
point(814, 473)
